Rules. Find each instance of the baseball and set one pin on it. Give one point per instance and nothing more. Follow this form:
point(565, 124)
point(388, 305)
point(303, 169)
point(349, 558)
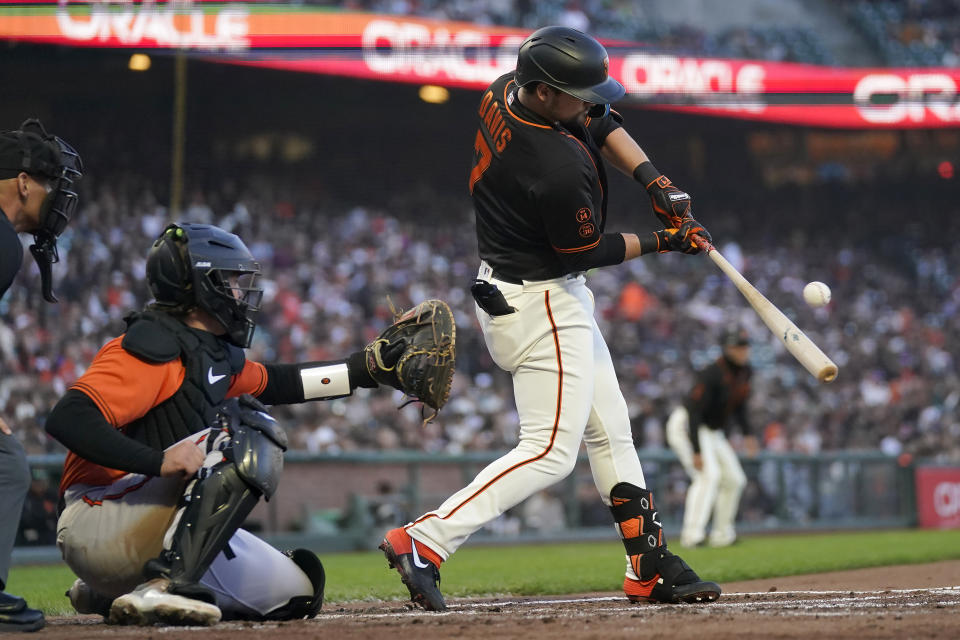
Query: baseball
point(816, 294)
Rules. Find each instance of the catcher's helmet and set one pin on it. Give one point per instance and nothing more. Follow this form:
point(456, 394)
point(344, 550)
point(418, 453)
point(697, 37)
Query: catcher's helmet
point(570, 61)
point(200, 265)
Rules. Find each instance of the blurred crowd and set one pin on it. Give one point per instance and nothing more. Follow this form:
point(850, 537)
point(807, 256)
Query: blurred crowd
point(630, 21)
point(334, 272)
point(922, 33)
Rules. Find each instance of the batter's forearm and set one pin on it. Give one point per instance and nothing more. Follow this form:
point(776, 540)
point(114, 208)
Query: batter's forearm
point(623, 152)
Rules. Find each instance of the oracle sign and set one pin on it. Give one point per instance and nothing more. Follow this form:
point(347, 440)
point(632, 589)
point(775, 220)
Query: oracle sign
point(734, 85)
point(912, 97)
point(467, 55)
point(149, 24)
point(938, 497)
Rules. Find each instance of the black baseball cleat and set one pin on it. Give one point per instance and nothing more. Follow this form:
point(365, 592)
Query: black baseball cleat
point(674, 582)
point(419, 574)
point(15, 615)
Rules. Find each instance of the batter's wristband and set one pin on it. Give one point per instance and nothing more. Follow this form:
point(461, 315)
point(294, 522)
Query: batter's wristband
point(646, 174)
point(652, 243)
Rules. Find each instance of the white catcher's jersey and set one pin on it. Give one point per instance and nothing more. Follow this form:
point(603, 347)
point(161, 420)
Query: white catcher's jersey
point(566, 392)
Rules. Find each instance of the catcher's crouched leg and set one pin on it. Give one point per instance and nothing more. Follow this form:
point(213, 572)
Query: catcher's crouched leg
point(216, 506)
point(658, 575)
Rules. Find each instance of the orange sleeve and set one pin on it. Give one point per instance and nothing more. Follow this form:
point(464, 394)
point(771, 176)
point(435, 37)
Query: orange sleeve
point(252, 380)
point(125, 387)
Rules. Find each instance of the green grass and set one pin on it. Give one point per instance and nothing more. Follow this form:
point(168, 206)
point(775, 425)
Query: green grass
point(577, 567)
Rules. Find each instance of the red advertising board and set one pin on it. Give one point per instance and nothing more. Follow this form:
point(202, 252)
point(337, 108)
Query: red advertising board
point(938, 497)
point(457, 54)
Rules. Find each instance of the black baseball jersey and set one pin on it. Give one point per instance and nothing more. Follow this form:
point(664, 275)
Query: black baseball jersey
point(11, 253)
point(720, 393)
point(539, 190)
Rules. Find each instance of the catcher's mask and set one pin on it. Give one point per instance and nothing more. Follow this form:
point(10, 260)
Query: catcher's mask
point(202, 266)
point(570, 61)
point(32, 150)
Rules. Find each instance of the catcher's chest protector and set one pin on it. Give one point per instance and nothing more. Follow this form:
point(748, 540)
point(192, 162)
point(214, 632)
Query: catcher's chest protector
point(210, 363)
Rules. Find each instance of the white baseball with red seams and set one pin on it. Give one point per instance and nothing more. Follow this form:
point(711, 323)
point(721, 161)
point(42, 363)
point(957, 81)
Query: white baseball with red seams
point(816, 294)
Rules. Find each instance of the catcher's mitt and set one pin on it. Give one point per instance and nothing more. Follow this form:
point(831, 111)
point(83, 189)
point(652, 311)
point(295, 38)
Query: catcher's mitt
point(425, 339)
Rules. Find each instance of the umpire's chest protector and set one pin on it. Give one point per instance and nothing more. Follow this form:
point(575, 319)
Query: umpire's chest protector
point(209, 365)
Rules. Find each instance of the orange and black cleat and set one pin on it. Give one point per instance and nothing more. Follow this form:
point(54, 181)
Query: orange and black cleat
point(418, 572)
point(660, 576)
point(676, 582)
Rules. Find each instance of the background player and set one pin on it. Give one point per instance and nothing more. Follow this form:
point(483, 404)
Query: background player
point(697, 433)
point(162, 471)
point(37, 172)
point(540, 193)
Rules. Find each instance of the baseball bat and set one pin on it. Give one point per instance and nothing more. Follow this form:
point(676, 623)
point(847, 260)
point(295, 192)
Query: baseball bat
point(797, 343)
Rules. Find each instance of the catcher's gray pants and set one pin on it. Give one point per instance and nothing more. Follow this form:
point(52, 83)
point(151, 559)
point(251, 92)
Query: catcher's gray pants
point(106, 535)
point(14, 483)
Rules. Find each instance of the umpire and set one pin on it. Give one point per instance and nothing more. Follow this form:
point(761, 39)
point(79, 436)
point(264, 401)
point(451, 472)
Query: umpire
point(37, 171)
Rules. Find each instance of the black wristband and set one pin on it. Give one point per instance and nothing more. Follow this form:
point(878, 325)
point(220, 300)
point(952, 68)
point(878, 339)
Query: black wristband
point(646, 174)
point(650, 243)
point(357, 371)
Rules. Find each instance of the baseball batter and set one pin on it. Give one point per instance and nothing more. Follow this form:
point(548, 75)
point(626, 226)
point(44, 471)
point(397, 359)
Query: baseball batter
point(539, 189)
point(37, 172)
point(697, 433)
point(169, 451)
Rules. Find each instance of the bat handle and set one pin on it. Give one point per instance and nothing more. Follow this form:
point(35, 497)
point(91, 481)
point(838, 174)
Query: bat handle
point(703, 243)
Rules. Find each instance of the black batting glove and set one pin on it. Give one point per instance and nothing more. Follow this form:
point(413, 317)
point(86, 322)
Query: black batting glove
point(671, 205)
point(682, 239)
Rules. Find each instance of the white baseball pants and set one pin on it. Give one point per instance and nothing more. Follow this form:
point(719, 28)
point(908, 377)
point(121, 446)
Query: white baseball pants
point(566, 392)
point(716, 487)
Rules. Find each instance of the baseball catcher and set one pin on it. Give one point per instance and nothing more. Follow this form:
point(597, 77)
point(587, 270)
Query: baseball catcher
point(171, 443)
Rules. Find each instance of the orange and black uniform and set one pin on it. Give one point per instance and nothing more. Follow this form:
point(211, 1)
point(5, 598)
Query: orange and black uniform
point(720, 393)
point(151, 387)
point(540, 209)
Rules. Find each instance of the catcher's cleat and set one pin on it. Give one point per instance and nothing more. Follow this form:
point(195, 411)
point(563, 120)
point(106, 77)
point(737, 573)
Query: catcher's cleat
point(86, 600)
point(420, 574)
point(675, 582)
point(151, 603)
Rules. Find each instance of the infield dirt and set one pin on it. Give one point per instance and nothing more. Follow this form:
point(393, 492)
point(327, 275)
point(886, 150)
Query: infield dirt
point(914, 601)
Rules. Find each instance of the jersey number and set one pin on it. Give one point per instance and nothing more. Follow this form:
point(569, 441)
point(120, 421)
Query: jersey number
point(484, 156)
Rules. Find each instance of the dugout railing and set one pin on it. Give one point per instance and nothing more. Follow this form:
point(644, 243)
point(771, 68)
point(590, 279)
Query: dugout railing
point(344, 501)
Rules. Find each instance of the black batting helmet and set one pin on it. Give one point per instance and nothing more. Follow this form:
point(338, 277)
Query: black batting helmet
point(570, 61)
point(200, 265)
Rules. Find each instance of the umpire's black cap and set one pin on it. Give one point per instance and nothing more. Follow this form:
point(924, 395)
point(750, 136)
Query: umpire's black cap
point(568, 60)
point(29, 149)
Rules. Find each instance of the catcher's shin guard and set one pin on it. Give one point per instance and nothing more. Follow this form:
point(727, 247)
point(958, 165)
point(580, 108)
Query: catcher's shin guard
point(218, 503)
point(662, 576)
